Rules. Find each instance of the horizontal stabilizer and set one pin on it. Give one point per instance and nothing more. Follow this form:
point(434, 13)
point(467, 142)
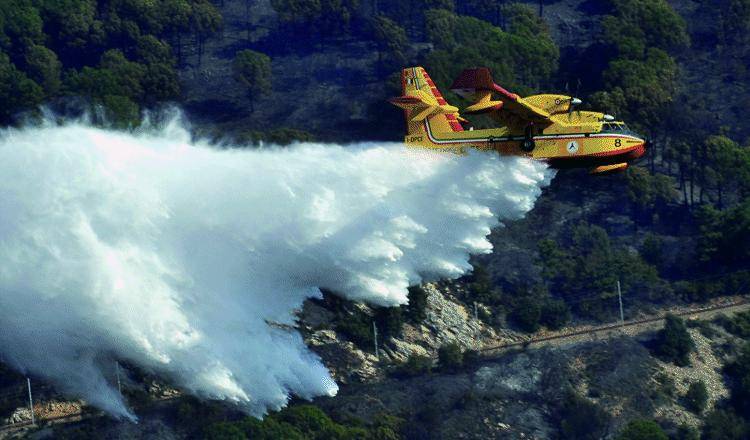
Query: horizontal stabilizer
point(421, 105)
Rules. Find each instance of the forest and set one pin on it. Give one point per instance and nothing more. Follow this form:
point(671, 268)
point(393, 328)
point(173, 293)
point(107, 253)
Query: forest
point(682, 81)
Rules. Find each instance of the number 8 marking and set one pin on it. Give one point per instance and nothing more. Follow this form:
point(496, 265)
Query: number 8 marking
point(618, 143)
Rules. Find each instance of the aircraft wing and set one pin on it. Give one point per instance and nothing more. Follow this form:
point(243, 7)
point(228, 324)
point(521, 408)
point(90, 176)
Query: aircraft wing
point(477, 85)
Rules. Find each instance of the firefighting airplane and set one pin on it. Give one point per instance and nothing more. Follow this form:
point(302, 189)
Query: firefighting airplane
point(543, 127)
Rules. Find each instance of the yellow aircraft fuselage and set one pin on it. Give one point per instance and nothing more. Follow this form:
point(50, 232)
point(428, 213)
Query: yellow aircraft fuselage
point(542, 127)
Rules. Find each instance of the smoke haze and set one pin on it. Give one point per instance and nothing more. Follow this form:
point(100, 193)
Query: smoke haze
point(176, 255)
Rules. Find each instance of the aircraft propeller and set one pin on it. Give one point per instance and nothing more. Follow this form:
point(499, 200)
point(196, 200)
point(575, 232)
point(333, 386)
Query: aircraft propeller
point(574, 102)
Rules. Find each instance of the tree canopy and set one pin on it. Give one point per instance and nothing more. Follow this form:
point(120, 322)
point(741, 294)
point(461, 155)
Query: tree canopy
point(253, 70)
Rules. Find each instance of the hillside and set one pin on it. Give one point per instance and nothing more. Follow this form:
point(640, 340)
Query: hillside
point(672, 232)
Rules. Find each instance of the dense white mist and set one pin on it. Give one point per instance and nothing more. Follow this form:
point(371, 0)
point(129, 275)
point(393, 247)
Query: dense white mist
point(175, 256)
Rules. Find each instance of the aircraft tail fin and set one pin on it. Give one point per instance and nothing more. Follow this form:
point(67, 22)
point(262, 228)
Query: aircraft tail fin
point(424, 105)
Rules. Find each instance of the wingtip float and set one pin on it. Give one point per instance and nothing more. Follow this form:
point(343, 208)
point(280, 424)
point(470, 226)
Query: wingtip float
point(543, 127)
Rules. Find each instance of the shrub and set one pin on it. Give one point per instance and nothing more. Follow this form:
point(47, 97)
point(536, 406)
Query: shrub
point(555, 314)
point(674, 343)
point(390, 321)
point(471, 357)
point(311, 421)
point(582, 419)
point(739, 374)
point(696, 397)
point(270, 429)
point(415, 365)
point(303, 422)
point(687, 432)
point(668, 386)
point(386, 427)
point(738, 325)
point(482, 289)
point(358, 328)
point(642, 430)
point(527, 314)
point(223, 431)
point(416, 311)
point(704, 327)
point(724, 425)
point(450, 357)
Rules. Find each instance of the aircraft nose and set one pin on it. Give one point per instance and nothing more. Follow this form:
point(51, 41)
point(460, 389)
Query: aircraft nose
point(645, 146)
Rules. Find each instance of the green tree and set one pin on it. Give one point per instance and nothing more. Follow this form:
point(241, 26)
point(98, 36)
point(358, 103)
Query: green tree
point(326, 17)
point(204, 22)
point(17, 91)
point(450, 357)
point(515, 57)
point(554, 314)
point(585, 272)
point(641, 90)
point(20, 27)
point(297, 11)
point(738, 325)
point(696, 397)
point(527, 313)
point(311, 421)
point(390, 321)
point(725, 168)
point(649, 193)
point(357, 326)
point(253, 70)
point(176, 21)
point(336, 16)
point(391, 39)
point(481, 287)
point(687, 432)
point(652, 249)
point(739, 372)
point(120, 111)
point(674, 342)
point(415, 365)
point(724, 236)
point(642, 430)
point(639, 24)
point(224, 431)
point(304, 422)
point(731, 21)
point(724, 425)
point(416, 310)
point(129, 74)
point(160, 81)
point(581, 419)
point(270, 429)
point(68, 22)
point(44, 68)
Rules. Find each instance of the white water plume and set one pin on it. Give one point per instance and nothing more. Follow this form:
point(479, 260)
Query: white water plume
point(175, 255)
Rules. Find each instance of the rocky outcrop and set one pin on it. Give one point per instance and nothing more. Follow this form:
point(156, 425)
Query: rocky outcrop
point(447, 320)
point(345, 361)
point(19, 415)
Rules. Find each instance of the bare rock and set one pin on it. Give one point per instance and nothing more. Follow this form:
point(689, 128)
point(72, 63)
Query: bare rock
point(346, 362)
